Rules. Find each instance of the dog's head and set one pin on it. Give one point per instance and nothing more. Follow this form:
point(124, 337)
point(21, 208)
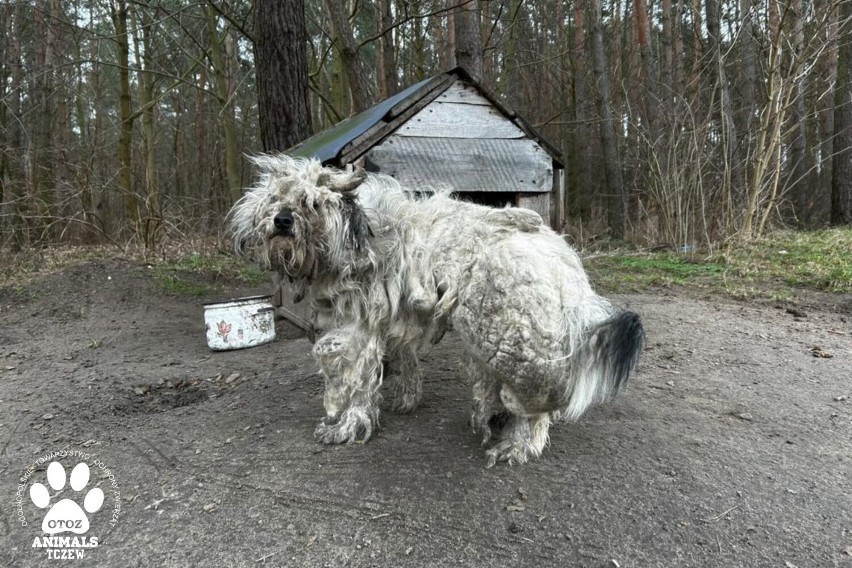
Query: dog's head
point(301, 218)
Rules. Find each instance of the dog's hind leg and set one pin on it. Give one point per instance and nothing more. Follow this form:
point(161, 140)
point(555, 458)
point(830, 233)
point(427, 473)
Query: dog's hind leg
point(351, 362)
point(521, 439)
point(487, 407)
point(408, 381)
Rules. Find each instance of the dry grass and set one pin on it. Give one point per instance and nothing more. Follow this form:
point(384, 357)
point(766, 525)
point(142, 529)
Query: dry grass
point(779, 266)
point(177, 267)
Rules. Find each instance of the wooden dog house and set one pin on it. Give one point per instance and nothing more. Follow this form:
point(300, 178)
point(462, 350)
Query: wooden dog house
point(446, 131)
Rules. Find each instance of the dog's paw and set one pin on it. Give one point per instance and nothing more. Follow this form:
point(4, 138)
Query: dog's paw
point(354, 425)
point(480, 427)
point(405, 404)
point(486, 424)
point(507, 451)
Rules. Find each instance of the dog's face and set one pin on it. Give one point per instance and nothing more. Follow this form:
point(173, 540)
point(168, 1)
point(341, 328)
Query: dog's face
point(301, 219)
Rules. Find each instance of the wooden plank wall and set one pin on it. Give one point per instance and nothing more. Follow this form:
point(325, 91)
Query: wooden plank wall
point(460, 112)
point(466, 164)
point(459, 139)
point(557, 202)
point(538, 202)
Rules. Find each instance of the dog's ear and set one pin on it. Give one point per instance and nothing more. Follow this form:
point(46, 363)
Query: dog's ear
point(357, 223)
point(345, 182)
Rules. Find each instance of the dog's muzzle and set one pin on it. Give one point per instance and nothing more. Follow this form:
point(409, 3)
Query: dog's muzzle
point(284, 222)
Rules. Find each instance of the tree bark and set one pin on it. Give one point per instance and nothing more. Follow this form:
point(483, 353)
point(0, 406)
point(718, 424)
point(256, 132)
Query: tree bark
point(580, 191)
point(125, 136)
point(648, 64)
point(281, 63)
point(668, 59)
point(469, 50)
point(221, 81)
point(511, 67)
point(841, 178)
point(828, 75)
point(616, 210)
point(677, 44)
point(387, 60)
point(800, 185)
point(92, 194)
point(203, 168)
point(361, 85)
point(41, 161)
point(746, 112)
point(693, 88)
point(13, 186)
point(734, 184)
point(151, 222)
point(443, 48)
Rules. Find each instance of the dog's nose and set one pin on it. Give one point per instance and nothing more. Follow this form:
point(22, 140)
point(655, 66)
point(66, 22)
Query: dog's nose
point(284, 222)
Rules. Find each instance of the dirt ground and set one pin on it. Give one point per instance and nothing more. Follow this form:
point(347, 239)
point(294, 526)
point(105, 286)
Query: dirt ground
point(732, 446)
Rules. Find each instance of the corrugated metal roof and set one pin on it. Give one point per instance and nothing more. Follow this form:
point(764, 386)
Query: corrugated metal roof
point(328, 145)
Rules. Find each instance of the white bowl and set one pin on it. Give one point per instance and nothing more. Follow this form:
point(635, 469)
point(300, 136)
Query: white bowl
point(239, 323)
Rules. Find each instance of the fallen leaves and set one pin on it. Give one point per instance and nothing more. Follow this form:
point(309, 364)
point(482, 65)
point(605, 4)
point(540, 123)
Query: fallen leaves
point(519, 504)
point(820, 353)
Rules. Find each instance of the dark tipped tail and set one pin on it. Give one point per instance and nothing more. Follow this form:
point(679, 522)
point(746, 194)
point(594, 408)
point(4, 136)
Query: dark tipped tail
point(622, 339)
point(606, 360)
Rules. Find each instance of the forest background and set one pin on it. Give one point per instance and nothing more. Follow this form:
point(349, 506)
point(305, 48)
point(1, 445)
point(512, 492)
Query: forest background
point(685, 123)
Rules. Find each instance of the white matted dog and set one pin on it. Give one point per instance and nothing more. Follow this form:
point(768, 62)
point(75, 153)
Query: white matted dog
point(388, 273)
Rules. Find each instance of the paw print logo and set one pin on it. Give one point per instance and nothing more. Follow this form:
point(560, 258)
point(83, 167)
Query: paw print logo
point(66, 515)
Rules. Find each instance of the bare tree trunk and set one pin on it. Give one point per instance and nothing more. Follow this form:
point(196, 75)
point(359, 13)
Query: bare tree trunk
point(418, 50)
point(282, 73)
point(181, 166)
point(648, 65)
point(83, 168)
point(6, 196)
point(489, 59)
point(747, 85)
point(60, 138)
point(361, 86)
point(13, 182)
point(668, 59)
point(125, 137)
point(694, 87)
point(677, 44)
point(202, 164)
point(451, 35)
point(581, 195)
point(221, 81)
point(468, 37)
point(512, 75)
point(41, 162)
point(749, 67)
point(734, 183)
point(841, 178)
point(339, 85)
point(91, 201)
point(151, 222)
point(442, 44)
point(612, 164)
point(828, 74)
point(387, 60)
point(800, 186)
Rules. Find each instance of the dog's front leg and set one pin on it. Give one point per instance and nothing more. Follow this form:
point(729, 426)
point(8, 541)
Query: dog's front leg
point(350, 359)
point(408, 381)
